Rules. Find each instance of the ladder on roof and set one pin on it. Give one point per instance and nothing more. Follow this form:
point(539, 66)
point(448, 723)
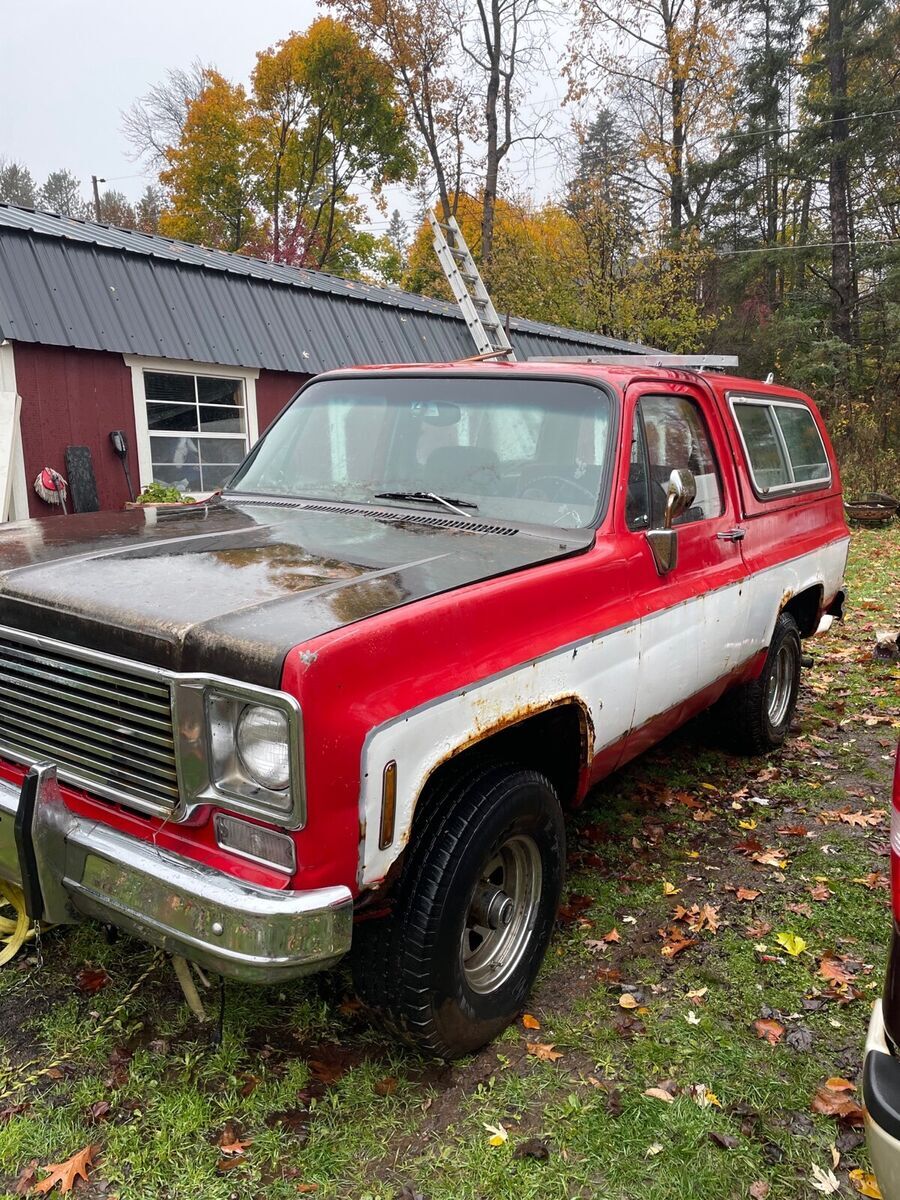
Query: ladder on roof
point(468, 288)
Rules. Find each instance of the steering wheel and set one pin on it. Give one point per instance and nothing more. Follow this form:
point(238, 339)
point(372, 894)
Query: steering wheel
point(559, 485)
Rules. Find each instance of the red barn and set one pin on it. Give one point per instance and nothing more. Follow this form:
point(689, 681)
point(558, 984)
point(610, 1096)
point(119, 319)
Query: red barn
point(190, 352)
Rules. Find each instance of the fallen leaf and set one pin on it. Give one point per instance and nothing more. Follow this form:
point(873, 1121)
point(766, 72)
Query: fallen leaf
point(659, 1094)
point(669, 889)
point(759, 1189)
point(874, 880)
point(92, 979)
point(799, 1038)
point(820, 892)
point(675, 943)
point(830, 1103)
point(65, 1173)
point(536, 1148)
point(543, 1050)
point(750, 823)
point(233, 1149)
point(498, 1135)
point(860, 819)
point(653, 1150)
point(307, 1188)
point(530, 1022)
point(832, 968)
point(703, 814)
point(701, 1095)
point(794, 944)
point(726, 1141)
point(27, 1178)
point(772, 1031)
point(837, 1084)
point(696, 994)
point(759, 930)
point(98, 1111)
point(626, 1000)
point(802, 910)
point(824, 1181)
point(692, 1018)
point(772, 857)
point(746, 894)
point(612, 936)
point(385, 1087)
point(865, 1183)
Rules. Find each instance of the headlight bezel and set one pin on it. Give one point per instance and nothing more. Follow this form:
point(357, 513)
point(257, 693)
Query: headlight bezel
point(206, 712)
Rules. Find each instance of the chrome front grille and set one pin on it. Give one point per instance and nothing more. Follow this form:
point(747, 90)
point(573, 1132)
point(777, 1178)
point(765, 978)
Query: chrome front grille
point(107, 727)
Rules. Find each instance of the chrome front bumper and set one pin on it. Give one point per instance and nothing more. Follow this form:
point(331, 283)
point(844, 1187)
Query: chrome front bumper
point(72, 868)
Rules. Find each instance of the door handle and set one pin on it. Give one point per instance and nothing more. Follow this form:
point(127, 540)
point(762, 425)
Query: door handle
point(732, 535)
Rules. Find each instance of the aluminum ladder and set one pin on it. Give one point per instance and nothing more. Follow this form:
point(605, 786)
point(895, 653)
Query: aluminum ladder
point(469, 291)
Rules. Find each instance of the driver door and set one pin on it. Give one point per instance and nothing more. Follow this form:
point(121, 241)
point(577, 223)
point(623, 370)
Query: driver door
point(692, 618)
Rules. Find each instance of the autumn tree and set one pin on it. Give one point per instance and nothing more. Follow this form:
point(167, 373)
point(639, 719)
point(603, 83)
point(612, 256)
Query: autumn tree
point(210, 172)
point(670, 68)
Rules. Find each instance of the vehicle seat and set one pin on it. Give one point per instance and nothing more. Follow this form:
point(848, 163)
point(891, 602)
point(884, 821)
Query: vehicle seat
point(462, 469)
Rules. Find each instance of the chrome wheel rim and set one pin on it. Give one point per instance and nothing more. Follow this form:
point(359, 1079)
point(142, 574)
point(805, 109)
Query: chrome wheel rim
point(781, 684)
point(502, 913)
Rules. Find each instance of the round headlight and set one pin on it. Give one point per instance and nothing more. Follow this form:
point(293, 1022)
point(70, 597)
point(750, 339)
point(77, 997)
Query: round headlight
point(262, 743)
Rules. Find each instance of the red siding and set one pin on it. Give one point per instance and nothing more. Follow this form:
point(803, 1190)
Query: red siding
point(74, 398)
point(273, 390)
point(77, 397)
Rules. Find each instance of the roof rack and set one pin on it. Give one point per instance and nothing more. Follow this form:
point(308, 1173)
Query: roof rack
point(690, 362)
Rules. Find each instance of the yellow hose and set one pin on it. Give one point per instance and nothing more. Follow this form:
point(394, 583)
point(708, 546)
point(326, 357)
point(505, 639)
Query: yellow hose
point(14, 931)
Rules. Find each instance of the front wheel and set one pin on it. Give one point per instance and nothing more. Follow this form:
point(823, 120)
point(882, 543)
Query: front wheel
point(757, 715)
point(473, 914)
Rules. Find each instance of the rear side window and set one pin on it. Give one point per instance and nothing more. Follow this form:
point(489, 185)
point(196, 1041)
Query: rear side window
point(783, 444)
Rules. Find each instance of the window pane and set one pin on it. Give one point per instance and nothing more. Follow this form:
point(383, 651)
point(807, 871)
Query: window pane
point(763, 448)
point(172, 416)
point(804, 446)
point(175, 450)
point(216, 475)
point(186, 479)
point(219, 391)
point(176, 388)
point(637, 500)
point(677, 439)
point(222, 450)
point(215, 418)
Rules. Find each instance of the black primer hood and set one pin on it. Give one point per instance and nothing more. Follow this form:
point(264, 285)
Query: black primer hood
point(230, 587)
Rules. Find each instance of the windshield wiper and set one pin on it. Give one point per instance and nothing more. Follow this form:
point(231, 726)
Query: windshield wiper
point(457, 506)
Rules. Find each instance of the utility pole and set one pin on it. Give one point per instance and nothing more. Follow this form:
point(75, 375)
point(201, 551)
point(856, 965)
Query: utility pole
point(95, 181)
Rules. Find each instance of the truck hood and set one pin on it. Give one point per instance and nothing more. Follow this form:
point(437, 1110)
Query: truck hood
point(229, 587)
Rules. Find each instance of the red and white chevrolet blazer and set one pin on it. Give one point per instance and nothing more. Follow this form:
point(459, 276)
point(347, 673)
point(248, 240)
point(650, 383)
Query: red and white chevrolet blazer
point(344, 704)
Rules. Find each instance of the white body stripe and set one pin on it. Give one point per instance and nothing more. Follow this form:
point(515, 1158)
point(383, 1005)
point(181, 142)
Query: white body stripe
point(623, 678)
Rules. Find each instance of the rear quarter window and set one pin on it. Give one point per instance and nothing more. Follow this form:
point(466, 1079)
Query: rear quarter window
point(783, 445)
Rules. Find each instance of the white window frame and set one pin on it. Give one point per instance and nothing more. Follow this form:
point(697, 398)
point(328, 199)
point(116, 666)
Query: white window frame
point(169, 366)
point(779, 489)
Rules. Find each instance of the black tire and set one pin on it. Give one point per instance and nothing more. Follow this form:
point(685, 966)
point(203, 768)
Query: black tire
point(410, 966)
point(756, 716)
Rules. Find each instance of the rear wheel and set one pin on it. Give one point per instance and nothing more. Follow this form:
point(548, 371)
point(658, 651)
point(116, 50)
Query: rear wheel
point(473, 915)
point(757, 716)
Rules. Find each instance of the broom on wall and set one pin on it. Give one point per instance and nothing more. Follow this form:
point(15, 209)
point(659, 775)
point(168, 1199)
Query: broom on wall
point(52, 488)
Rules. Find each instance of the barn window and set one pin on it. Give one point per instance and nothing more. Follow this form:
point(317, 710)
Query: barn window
point(195, 426)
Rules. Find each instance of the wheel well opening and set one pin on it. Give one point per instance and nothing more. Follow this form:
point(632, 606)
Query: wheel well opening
point(555, 742)
point(806, 609)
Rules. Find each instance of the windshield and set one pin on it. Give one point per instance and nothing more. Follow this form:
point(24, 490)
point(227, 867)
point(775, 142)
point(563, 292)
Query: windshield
point(528, 450)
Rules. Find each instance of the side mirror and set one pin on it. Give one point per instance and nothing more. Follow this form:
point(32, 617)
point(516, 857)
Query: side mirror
point(680, 495)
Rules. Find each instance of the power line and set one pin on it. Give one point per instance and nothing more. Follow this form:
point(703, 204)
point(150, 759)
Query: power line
point(886, 112)
point(807, 246)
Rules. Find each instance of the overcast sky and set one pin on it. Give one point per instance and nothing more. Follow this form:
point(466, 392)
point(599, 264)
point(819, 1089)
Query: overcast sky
point(71, 66)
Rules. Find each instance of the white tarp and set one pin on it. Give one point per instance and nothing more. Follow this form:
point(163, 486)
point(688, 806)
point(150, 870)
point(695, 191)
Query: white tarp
point(10, 450)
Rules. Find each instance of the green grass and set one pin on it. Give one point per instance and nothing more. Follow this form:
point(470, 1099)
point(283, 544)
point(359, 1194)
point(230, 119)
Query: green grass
point(382, 1119)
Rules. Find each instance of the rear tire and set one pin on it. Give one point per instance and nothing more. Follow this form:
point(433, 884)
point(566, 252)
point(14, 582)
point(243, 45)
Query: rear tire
point(473, 915)
point(756, 716)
